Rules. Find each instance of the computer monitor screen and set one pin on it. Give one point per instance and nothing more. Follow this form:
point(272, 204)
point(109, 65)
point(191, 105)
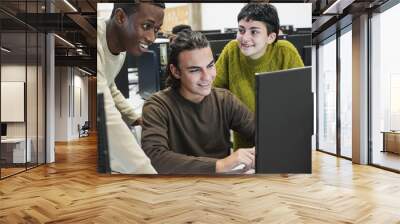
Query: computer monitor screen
point(3, 129)
point(103, 159)
point(148, 72)
point(284, 121)
point(303, 31)
point(220, 36)
point(302, 42)
point(217, 46)
point(209, 31)
point(152, 69)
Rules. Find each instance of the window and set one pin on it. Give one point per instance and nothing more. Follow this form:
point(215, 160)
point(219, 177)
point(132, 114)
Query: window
point(385, 87)
point(346, 93)
point(22, 63)
point(327, 96)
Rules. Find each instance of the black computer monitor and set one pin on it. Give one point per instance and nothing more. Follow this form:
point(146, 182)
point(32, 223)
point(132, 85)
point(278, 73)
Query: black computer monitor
point(303, 31)
point(3, 129)
point(152, 69)
point(303, 44)
point(103, 158)
point(284, 121)
point(217, 46)
point(121, 80)
point(220, 36)
point(218, 42)
point(231, 30)
point(209, 31)
point(148, 73)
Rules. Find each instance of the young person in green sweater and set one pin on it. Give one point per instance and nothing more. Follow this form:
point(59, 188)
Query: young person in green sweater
point(256, 49)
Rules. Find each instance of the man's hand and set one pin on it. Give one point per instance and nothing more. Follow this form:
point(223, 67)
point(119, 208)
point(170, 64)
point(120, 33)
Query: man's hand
point(138, 121)
point(241, 156)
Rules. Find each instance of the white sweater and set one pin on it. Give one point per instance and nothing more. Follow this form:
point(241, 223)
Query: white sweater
point(126, 156)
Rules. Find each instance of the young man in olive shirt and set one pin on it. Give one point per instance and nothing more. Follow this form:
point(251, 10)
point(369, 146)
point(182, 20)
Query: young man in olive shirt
point(186, 127)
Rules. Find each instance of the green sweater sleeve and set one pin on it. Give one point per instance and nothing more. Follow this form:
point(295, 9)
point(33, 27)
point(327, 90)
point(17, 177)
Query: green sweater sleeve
point(242, 120)
point(292, 58)
point(222, 66)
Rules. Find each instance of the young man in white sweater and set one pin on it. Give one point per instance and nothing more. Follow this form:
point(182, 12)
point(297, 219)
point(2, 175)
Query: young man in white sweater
point(131, 28)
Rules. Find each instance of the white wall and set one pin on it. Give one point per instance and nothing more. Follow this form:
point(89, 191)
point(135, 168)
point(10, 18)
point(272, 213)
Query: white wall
point(61, 103)
point(296, 14)
point(225, 12)
point(81, 104)
point(384, 65)
point(12, 101)
point(71, 94)
point(33, 126)
point(12, 73)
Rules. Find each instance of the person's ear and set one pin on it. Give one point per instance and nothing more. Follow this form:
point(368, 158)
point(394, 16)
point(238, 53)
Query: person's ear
point(174, 71)
point(120, 16)
point(271, 37)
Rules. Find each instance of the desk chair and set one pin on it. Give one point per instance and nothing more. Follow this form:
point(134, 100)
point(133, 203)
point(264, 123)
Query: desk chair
point(84, 130)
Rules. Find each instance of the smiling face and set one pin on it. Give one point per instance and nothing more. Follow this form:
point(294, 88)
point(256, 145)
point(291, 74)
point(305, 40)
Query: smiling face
point(140, 29)
point(196, 72)
point(253, 38)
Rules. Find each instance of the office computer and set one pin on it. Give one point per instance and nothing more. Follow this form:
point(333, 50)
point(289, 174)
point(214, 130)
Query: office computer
point(302, 42)
point(220, 36)
point(103, 158)
point(218, 42)
point(121, 80)
point(148, 73)
point(3, 130)
point(217, 46)
point(231, 30)
point(284, 121)
point(152, 69)
point(209, 31)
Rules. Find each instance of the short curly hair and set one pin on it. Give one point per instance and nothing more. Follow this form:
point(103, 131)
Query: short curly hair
point(262, 12)
point(130, 8)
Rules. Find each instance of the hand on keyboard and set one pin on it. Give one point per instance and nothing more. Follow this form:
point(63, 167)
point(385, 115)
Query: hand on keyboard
point(239, 167)
point(241, 161)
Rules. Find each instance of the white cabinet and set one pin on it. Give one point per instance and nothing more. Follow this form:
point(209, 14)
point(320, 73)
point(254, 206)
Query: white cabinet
point(17, 147)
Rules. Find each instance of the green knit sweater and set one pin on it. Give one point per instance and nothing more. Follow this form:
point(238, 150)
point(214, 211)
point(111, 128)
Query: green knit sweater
point(236, 72)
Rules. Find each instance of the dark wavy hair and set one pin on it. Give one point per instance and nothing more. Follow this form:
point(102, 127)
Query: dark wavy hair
point(179, 28)
point(130, 8)
point(262, 12)
point(185, 40)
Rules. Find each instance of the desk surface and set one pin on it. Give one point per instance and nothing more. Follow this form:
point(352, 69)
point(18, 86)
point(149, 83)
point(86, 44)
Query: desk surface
point(13, 140)
point(390, 132)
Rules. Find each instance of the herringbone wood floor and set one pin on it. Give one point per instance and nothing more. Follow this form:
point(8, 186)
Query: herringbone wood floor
point(70, 191)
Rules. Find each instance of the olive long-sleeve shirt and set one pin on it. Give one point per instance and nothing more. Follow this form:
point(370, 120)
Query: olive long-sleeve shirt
point(182, 137)
point(236, 72)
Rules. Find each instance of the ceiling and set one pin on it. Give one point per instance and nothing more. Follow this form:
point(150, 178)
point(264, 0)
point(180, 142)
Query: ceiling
point(72, 20)
point(330, 15)
point(75, 21)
